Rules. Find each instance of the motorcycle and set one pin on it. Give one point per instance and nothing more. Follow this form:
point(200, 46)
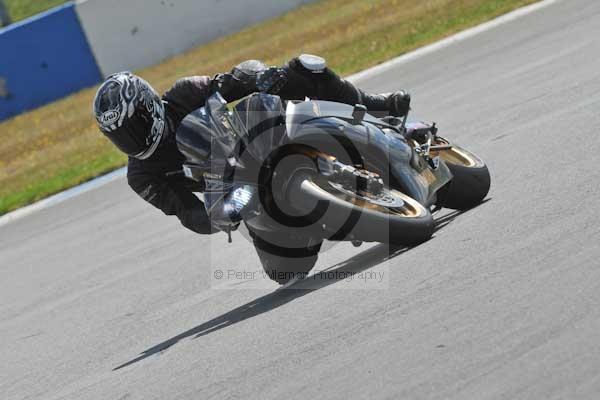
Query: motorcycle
point(297, 173)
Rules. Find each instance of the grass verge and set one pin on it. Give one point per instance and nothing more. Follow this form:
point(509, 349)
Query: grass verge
point(58, 146)
point(21, 9)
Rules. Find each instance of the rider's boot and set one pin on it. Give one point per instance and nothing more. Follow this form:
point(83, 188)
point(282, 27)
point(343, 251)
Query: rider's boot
point(310, 74)
point(396, 104)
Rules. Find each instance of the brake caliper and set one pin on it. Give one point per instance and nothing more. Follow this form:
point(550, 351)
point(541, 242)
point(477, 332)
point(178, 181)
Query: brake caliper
point(426, 136)
point(351, 178)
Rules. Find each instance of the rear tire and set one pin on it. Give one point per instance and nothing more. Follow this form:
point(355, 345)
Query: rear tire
point(356, 219)
point(285, 269)
point(286, 256)
point(471, 182)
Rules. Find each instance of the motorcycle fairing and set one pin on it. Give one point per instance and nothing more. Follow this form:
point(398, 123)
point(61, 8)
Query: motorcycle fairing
point(257, 123)
point(379, 146)
point(298, 113)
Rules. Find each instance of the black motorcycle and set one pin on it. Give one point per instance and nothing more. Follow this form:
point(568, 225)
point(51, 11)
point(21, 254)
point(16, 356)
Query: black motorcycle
point(297, 173)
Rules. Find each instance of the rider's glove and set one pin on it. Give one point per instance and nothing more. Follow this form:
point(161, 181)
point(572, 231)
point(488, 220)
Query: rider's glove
point(271, 80)
point(230, 87)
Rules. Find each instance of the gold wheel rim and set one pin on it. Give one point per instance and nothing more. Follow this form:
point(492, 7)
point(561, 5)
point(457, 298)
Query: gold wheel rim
point(455, 155)
point(410, 209)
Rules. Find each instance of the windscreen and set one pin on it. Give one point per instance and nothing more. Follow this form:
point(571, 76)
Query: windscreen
point(263, 120)
point(228, 131)
point(255, 126)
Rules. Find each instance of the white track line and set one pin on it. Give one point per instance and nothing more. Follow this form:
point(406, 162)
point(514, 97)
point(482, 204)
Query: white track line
point(386, 66)
point(62, 196)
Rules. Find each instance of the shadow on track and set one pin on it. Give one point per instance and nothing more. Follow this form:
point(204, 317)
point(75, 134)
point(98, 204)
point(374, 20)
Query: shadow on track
point(359, 263)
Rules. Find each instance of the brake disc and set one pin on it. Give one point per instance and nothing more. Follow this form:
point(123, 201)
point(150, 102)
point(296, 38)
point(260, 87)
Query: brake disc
point(383, 199)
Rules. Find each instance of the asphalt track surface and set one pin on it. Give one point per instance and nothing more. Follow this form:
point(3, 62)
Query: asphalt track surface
point(102, 297)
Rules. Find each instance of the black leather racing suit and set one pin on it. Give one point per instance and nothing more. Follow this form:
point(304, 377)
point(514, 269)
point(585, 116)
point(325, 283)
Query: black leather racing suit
point(159, 179)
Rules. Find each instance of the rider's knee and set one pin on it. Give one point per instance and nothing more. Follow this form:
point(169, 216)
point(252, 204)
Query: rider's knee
point(312, 67)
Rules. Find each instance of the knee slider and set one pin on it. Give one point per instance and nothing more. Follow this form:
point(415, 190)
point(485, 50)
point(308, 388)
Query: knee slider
point(309, 65)
point(312, 63)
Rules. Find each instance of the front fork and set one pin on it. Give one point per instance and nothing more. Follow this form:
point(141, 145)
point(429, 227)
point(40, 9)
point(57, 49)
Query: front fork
point(412, 169)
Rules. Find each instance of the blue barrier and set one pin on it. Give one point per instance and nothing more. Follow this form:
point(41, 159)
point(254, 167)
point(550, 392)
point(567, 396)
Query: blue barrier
point(43, 59)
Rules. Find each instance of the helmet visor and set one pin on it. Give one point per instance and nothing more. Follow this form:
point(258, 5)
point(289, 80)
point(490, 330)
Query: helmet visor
point(134, 137)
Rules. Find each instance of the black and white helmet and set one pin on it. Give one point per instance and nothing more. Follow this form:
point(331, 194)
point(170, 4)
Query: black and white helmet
point(131, 114)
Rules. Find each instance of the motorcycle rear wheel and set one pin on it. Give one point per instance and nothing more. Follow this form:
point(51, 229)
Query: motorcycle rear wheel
point(471, 182)
point(358, 217)
point(283, 263)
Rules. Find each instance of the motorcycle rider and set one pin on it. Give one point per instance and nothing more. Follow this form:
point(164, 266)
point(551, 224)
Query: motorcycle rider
point(142, 124)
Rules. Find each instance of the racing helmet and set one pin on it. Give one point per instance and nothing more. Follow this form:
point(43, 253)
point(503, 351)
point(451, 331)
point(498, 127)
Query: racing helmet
point(131, 114)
